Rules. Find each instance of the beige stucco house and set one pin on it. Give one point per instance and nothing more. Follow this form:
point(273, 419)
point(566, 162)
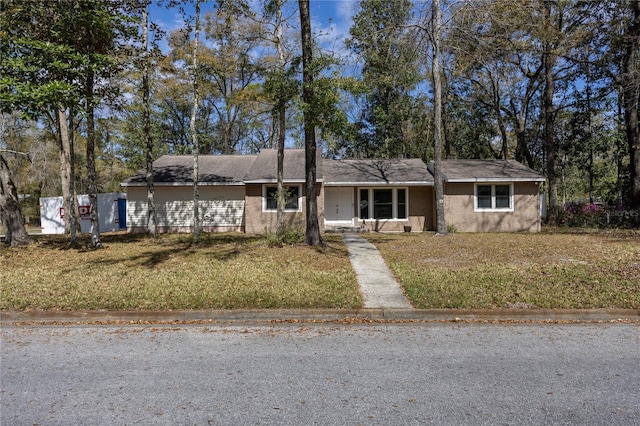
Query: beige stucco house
point(237, 193)
point(491, 196)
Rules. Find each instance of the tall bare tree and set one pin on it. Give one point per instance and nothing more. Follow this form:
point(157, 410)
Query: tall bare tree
point(146, 118)
point(280, 87)
point(630, 80)
point(312, 236)
point(548, 112)
point(441, 224)
point(99, 33)
point(492, 48)
point(280, 110)
point(96, 240)
point(67, 173)
point(194, 131)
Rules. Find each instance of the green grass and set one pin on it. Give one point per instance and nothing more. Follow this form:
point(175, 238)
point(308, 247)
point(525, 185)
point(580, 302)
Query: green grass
point(547, 270)
point(228, 271)
point(597, 269)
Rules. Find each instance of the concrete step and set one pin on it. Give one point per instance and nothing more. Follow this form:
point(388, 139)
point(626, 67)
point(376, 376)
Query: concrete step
point(345, 229)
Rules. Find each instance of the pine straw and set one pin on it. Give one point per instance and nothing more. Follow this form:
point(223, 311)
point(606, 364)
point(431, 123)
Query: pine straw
point(579, 270)
point(222, 271)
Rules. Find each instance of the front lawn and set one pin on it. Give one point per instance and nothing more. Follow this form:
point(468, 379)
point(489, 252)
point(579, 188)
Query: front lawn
point(599, 269)
point(223, 271)
point(595, 269)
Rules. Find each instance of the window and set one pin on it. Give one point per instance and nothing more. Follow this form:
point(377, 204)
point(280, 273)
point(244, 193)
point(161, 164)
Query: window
point(402, 204)
point(483, 196)
point(383, 203)
point(494, 197)
point(364, 204)
point(503, 196)
point(292, 198)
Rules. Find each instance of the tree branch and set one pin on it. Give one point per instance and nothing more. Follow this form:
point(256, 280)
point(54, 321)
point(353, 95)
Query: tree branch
point(16, 153)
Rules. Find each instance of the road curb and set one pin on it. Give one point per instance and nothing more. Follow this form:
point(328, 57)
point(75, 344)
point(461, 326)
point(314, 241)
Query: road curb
point(314, 315)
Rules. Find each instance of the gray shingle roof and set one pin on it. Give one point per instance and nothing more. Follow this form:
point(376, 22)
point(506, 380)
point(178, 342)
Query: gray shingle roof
point(487, 171)
point(376, 172)
point(213, 169)
point(265, 168)
point(240, 169)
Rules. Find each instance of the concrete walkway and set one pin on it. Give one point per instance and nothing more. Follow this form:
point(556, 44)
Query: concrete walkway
point(379, 287)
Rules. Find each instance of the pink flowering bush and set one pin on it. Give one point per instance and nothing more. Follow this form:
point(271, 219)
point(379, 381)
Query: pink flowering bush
point(592, 215)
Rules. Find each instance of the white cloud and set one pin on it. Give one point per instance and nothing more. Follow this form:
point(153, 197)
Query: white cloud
point(346, 9)
point(331, 21)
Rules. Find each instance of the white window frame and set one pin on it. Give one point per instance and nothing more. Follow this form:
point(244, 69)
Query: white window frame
point(394, 203)
point(493, 207)
point(264, 198)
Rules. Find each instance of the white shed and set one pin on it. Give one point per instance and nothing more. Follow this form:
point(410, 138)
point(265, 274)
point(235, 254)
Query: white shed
point(112, 214)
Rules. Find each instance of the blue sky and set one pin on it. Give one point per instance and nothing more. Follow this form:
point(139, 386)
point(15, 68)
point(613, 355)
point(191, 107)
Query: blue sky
point(330, 18)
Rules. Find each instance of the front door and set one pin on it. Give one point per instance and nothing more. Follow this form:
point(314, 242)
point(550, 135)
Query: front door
point(338, 205)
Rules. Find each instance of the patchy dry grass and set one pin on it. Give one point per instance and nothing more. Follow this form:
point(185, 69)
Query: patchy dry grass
point(599, 269)
point(229, 271)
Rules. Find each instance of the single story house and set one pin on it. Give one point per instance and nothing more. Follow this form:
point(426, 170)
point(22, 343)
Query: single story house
point(237, 193)
point(491, 196)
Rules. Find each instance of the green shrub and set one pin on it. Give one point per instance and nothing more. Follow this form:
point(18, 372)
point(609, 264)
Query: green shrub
point(286, 235)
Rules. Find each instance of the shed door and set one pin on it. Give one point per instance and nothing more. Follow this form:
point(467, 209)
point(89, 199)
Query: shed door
point(122, 213)
point(338, 205)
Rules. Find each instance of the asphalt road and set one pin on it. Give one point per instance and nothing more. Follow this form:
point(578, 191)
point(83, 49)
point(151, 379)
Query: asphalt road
point(408, 374)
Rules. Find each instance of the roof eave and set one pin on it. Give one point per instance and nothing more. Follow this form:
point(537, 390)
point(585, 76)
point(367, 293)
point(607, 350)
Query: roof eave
point(379, 183)
point(501, 179)
point(137, 184)
point(288, 181)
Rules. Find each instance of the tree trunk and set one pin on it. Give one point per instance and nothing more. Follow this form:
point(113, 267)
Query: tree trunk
point(441, 224)
point(281, 113)
point(446, 133)
point(72, 143)
point(15, 233)
point(630, 92)
point(497, 103)
point(504, 151)
point(590, 133)
point(280, 191)
point(194, 133)
point(549, 121)
point(519, 117)
point(523, 154)
point(66, 175)
point(620, 151)
point(313, 237)
point(65, 163)
point(151, 203)
point(91, 164)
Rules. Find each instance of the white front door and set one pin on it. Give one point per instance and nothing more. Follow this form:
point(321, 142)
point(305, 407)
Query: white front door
point(338, 205)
